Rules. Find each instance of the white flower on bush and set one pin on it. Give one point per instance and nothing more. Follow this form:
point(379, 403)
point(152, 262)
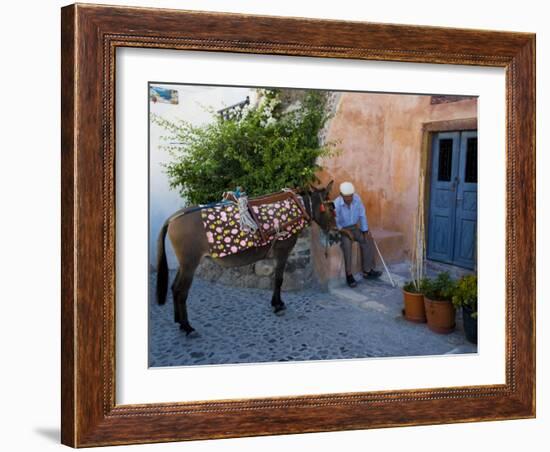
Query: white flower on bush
point(245, 111)
point(273, 103)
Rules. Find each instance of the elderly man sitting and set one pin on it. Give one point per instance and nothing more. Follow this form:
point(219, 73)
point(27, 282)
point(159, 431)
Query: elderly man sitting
point(350, 212)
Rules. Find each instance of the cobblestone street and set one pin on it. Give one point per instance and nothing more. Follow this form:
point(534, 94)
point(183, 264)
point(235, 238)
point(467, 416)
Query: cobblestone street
point(236, 325)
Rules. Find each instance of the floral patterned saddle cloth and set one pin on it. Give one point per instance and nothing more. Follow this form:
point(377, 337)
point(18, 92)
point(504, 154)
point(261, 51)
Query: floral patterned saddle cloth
point(278, 216)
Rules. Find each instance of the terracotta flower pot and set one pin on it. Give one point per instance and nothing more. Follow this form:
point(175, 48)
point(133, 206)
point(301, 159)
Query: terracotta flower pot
point(440, 315)
point(414, 307)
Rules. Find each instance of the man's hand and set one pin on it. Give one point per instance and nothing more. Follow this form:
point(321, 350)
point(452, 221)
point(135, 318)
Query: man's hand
point(347, 233)
point(366, 234)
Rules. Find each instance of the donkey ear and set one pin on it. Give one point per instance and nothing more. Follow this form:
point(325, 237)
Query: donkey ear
point(329, 187)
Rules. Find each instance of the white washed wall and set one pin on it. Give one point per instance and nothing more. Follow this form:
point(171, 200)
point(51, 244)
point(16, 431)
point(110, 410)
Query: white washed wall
point(194, 101)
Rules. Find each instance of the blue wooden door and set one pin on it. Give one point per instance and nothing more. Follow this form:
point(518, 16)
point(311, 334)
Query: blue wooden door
point(445, 161)
point(466, 202)
point(452, 223)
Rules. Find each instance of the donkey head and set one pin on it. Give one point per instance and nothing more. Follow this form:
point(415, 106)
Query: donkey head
point(321, 208)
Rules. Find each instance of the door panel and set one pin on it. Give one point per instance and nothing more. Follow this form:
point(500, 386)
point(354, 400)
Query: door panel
point(466, 202)
point(465, 242)
point(441, 235)
point(445, 162)
point(452, 224)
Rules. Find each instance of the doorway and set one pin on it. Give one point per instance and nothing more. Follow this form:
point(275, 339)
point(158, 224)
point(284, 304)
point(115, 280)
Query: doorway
point(452, 217)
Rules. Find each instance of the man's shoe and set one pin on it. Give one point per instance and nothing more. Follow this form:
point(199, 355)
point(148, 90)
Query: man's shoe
point(351, 281)
point(372, 274)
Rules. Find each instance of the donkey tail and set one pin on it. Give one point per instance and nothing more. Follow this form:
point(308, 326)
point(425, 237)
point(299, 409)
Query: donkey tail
point(162, 266)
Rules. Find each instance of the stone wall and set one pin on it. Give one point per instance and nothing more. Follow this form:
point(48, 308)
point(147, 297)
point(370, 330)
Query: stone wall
point(298, 273)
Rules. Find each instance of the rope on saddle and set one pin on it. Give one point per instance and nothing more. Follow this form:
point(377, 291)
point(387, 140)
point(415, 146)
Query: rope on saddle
point(278, 234)
point(246, 221)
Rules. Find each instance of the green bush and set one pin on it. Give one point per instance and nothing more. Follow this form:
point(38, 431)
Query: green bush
point(440, 288)
point(465, 293)
point(262, 151)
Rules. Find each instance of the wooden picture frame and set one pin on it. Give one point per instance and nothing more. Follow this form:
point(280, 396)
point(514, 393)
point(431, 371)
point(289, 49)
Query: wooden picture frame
point(90, 36)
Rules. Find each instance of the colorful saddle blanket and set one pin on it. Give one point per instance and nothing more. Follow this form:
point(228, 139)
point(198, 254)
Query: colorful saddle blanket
point(277, 220)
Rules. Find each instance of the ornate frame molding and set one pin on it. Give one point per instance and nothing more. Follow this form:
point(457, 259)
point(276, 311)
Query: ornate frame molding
point(90, 36)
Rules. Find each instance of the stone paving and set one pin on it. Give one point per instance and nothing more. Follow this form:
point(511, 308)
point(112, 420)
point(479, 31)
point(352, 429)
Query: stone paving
point(236, 325)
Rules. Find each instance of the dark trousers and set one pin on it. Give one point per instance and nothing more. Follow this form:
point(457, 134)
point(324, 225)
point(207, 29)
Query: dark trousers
point(366, 248)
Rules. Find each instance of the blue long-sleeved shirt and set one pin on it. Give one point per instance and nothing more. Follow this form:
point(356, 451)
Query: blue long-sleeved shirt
point(352, 214)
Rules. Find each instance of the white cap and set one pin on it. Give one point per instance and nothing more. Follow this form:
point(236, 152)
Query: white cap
point(346, 188)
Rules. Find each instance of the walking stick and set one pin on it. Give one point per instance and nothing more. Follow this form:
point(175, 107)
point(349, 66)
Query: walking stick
point(383, 262)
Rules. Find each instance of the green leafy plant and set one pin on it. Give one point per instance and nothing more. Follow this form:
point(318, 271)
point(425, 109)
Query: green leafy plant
point(465, 293)
point(263, 149)
point(413, 286)
point(440, 288)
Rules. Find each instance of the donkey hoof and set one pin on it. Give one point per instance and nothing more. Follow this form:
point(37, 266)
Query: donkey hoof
point(189, 331)
point(279, 309)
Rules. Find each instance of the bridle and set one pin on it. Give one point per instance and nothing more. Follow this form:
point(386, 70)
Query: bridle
point(308, 204)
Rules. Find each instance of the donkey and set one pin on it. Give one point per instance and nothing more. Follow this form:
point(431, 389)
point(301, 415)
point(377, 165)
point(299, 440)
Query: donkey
point(187, 235)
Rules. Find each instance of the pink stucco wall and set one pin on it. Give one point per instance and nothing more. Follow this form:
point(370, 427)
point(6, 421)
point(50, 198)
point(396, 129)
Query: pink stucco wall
point(380, 138)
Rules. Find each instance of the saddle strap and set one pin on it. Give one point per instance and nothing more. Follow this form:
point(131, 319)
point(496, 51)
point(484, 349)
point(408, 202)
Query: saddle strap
point(263, 234)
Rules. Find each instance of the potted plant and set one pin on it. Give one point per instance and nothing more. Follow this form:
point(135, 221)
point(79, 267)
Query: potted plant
point(438, 294)
point(413, 300)
point(465, 297)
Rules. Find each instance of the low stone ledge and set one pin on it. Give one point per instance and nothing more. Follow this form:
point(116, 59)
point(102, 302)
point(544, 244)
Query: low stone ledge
point(298, 272)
